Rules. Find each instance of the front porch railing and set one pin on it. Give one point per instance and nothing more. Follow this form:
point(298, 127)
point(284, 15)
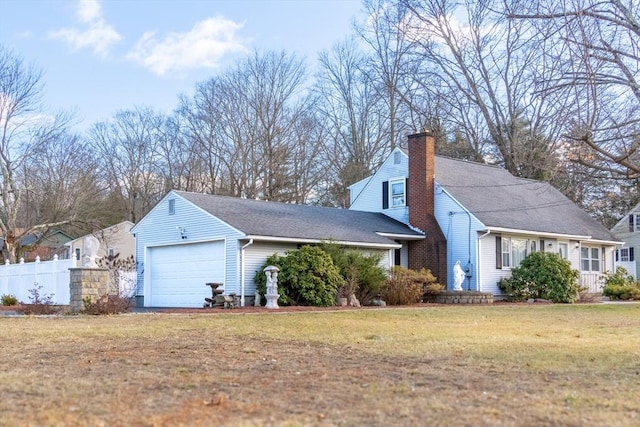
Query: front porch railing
point(592, 282)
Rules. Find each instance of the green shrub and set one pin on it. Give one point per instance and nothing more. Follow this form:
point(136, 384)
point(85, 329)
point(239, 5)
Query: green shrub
point(307, 277)
point(620, 285)
point(362, 274)
point(107, 304)
point(542, 275)
point(9, 300)
point(620, 278)
point(39, 304)
point(406, 286)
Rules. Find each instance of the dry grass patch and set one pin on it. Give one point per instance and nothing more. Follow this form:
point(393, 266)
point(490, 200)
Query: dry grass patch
point(503, 365)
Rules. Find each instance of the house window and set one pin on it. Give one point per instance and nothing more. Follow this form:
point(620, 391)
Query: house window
point(513, 251)
point(111, 252)
point(78, 254)
point(563, 250)
point(397, 192)
point(624, 255)
point(172, 206)
point(397, 157)
point(590, 259)
point(634, 222)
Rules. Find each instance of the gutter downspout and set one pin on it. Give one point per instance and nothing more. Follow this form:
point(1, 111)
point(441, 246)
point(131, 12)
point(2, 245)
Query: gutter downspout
point(478, 263)
point(242, 278)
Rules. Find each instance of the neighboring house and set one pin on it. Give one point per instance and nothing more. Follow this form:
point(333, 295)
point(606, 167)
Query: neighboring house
point(189, 239)
point(628, 230)
point(482, 216)
point(115, 240)
point(45, 246)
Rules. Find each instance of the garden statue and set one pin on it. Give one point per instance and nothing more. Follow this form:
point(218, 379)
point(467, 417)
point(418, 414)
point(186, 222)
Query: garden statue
point(272, 286)
point(90, 247)
point(458, 276)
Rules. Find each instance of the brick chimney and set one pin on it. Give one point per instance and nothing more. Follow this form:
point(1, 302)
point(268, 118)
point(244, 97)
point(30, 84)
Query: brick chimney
point(431, 252)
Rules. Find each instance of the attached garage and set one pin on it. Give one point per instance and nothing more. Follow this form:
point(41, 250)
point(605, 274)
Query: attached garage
point(190, 239)
point(178, 273)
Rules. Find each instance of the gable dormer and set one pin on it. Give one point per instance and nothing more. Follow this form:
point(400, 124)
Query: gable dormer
point(386, 190)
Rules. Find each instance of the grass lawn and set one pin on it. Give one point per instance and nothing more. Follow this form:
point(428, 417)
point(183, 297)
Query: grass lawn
point(502, 365)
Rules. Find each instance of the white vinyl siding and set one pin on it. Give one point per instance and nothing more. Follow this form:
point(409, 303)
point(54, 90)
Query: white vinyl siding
point(489, 274)
point(255, 256)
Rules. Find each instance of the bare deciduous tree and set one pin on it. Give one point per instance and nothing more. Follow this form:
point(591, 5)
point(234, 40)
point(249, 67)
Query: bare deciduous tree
point(488, 78)
point(62, 188)
point(24, 128)
point(127, 147)
point(355, 114)
point(392, 66)
point(601, 67)
point(254, 129)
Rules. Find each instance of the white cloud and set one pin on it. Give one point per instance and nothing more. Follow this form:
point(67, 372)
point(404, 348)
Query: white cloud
point(88, 11)
point(203, 46)
point(98, 36)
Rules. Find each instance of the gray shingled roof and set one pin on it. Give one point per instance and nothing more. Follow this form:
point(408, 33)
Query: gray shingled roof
point(274, 219)
point(498, 199)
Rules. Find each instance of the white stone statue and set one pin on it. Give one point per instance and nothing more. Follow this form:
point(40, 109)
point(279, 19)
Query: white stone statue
point(272, 286)
point(458, 276)
point(90, 247)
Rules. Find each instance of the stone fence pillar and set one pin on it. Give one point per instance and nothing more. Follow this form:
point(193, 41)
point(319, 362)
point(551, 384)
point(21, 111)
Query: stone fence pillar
point(87, 282)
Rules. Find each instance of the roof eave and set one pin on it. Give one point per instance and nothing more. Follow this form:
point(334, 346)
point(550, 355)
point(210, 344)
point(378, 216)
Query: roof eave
point(317, 241)
point(396, 236)
point(536, 233)
point(606, 242)
point(578, 237)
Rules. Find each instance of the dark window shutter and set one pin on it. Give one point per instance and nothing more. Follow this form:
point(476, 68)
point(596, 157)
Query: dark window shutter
point(541, 245)
point(631, 258)
point(385, 195)
point(406, 192)
point(617, 254)
point(498, 252)
point(630, 222)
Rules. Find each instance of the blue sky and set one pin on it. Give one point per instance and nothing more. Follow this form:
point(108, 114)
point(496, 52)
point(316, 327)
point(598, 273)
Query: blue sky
point(101, 56)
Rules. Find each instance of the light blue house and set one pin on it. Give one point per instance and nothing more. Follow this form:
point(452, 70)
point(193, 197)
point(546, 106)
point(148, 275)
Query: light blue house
point(628, 230)
point(489, 219)
point(418, 210)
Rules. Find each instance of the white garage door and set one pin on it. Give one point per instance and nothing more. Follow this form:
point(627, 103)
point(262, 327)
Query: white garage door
point(179, 273)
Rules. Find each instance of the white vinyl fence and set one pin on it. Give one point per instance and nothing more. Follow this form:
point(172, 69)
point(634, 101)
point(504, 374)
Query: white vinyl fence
point(53, 277)
point(127, 283)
